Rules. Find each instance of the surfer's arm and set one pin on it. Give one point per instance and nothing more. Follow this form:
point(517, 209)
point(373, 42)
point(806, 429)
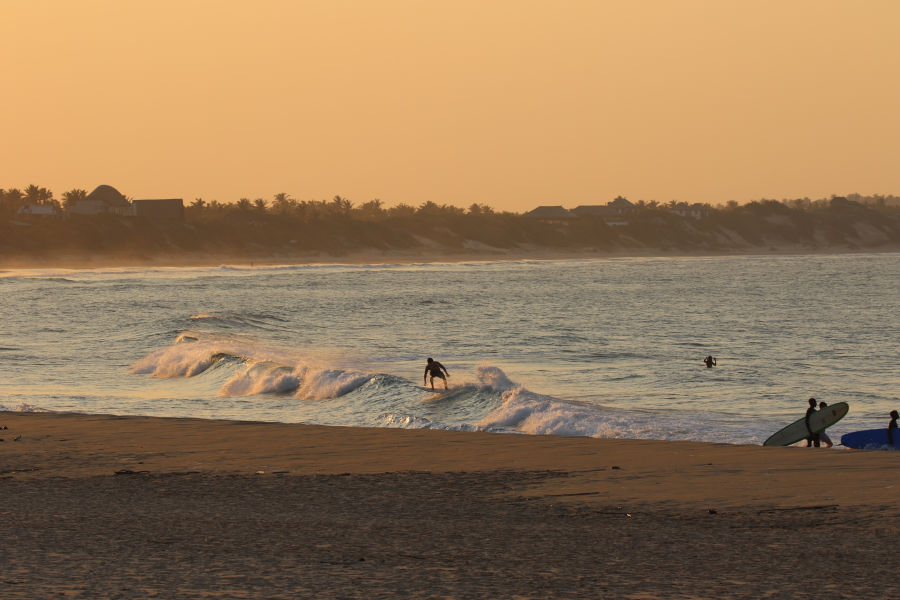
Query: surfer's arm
point(808, 428)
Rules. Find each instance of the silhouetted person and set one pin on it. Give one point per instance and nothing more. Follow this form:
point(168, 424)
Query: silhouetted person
point(813, 439)
point(433, 368)
point(823, 437)
point(892, 426)
point(710, 362)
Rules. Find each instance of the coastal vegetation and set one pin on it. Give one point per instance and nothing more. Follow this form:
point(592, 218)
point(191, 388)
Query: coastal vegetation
point(284, 227)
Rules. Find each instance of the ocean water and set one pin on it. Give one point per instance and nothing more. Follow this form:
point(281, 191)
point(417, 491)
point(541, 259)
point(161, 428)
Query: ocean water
point(604, 348)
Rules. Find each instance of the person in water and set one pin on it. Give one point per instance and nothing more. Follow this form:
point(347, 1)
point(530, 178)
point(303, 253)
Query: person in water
point(823, 437)
point(710, 362)
point(892, 426)
point(433, 368)
point(813, 439)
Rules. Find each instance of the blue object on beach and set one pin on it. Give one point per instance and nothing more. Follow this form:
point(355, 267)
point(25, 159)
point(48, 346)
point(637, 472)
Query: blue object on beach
point(870, 439)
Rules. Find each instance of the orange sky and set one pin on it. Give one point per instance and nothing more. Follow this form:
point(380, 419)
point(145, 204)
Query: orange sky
point(513, 104)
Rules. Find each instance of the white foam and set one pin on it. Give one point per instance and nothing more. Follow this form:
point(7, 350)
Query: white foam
point(264, 378)
point(319, 384)
point(23, 407)
point(189, 357)
point(537, 414)
point(412, 422)
point(311, 383)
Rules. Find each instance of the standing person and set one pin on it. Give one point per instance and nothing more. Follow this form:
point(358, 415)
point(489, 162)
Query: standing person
point(823, 437)
point(710, 362)
point(433, 368)
point(813, 439)
point(892, 426)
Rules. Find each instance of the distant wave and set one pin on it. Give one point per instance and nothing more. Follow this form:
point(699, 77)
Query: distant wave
point(239, 320)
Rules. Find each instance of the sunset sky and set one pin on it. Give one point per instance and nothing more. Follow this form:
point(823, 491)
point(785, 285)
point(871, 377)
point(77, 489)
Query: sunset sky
point(514, 104)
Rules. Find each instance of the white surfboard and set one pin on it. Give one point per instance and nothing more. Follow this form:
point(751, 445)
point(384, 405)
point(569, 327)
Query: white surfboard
point(819, 422)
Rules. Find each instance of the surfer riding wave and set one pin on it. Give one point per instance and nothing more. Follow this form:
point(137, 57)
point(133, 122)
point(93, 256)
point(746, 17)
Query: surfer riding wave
point(433, 369)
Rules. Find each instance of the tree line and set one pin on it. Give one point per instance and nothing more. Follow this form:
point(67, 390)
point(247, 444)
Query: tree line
point(284, 206)
point(13, 199)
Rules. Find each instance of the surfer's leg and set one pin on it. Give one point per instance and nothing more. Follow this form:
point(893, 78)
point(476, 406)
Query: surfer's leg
point(431, 377)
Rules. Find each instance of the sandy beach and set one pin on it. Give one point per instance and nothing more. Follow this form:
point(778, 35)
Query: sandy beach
point(99, 506)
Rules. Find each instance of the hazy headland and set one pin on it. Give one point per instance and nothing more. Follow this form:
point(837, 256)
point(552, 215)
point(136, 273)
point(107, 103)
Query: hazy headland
point(291, 231)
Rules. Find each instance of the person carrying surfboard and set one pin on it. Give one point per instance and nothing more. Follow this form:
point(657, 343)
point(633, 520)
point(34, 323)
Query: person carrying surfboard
point(709, 361)
point(823, 437)
point(433, 368)
point(892, 426)
point(813, 439)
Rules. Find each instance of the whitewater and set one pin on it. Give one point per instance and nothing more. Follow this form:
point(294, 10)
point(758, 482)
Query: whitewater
point(602, 348)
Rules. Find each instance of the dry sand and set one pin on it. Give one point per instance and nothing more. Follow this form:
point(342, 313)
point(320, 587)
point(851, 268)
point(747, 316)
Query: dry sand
point(382, 513)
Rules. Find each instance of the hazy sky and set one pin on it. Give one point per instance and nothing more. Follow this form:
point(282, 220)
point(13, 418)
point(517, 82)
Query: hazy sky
point(514, 104)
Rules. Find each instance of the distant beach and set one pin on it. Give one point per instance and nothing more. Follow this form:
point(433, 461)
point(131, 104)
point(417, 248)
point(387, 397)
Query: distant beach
point(399, 257)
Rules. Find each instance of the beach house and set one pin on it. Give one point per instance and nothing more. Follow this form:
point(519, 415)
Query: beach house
point(108, 200)
point(623, 206)
point(551, 214)
point(170, 209)
point(39, 210)
point(104, 199)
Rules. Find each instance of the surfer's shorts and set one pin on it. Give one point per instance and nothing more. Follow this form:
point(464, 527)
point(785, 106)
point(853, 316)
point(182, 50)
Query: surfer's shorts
point(823, 437)
point(438, 374)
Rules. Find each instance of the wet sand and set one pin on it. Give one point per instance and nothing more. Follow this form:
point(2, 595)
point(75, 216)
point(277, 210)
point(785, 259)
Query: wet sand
point(381, 513)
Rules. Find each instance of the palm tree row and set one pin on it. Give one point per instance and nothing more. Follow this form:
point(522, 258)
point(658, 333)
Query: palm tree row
point(283, 206)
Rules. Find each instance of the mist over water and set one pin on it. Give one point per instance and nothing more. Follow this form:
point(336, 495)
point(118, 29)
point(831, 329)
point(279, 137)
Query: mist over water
point(607, 348)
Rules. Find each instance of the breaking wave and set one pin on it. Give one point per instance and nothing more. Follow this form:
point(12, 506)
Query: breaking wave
point(485, 399)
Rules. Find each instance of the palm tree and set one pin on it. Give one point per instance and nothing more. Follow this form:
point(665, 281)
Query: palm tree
point(260, 205)
point(243, 204)
point(11, 200)
point(72, 197)
point(340, 207)
point(34, 194)
point(198, 204)
point(284, 204)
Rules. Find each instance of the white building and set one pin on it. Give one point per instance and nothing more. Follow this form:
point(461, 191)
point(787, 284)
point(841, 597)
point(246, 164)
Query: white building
point(39, 210)
point(104, 199)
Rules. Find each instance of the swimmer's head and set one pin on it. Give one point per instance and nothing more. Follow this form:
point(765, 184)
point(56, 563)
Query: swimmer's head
point(894, 415)
point(823, 404)
point(812, 402)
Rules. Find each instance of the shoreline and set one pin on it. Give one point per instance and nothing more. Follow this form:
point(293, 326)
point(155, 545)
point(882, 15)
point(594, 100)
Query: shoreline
point(87, 445)
point(364, 258)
